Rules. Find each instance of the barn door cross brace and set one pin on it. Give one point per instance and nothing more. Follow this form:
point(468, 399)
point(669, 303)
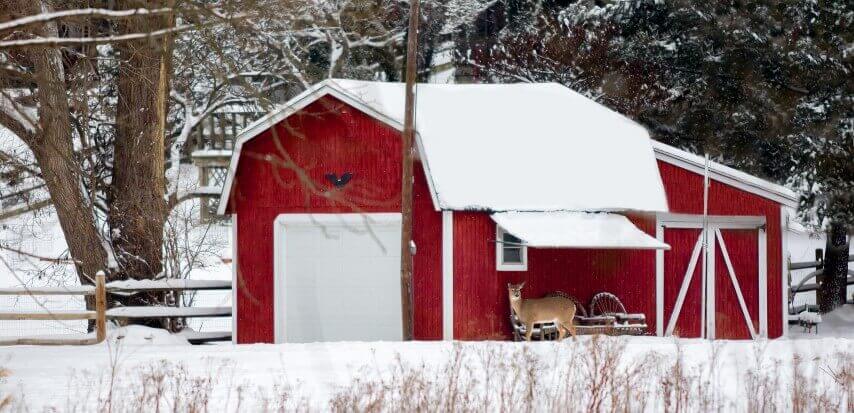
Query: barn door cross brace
point(735, 283)
point(686, 281)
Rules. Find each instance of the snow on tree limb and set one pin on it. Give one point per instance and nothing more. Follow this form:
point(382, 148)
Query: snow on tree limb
point(88, 12)
point(15, 117)
point(69, 41)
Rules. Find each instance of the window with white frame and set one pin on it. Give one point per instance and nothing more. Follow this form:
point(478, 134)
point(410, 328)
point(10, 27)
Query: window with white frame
point(511, 253)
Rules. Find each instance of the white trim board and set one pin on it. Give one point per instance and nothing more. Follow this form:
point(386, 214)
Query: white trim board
point(725, 174)
point(659, 281)
point(762, 256)
point(299, 102)
point(500, 265)
point(234, 281)
point(784, 270)
point(447, 275)
point(711, 275)
point(354, 220)
point(696, 221)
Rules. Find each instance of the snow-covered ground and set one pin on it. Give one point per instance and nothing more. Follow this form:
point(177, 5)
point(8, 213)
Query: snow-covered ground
point(139, 367)
point(837, 323)
point(638, 373)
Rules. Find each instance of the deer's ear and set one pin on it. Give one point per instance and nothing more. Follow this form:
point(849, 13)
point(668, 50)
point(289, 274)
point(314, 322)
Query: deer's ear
point(509, 285)
point(522, 285)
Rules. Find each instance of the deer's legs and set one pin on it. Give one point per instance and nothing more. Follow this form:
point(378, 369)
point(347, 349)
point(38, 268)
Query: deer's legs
point(529, 330)
point(571, 327)
point(566, 327)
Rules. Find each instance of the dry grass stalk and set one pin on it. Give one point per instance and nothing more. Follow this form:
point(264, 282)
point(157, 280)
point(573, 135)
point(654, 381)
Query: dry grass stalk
point(599, 374)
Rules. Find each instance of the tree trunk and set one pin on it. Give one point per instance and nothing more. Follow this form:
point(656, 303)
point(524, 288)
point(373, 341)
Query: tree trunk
point(54, 153)
point(138, 208)
point(833, 286)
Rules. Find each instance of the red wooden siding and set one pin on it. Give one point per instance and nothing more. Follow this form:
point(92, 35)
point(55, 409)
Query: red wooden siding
point(480, 291)
point(742, 246)
point(427, 263)
point(326, 137)
point(685, 195)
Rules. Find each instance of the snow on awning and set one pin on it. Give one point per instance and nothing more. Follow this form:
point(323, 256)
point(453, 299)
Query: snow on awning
point(576, 230)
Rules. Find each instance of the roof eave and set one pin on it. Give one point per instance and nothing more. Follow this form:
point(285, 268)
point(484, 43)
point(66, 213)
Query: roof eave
point(726, 175)
point(310, 95)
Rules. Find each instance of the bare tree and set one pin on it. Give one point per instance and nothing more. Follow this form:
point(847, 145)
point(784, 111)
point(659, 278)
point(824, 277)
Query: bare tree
point(88, 91)
point(105, 100)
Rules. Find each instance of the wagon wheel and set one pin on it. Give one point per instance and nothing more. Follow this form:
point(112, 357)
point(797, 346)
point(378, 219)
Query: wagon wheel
point(580, 311)
point(606, 304)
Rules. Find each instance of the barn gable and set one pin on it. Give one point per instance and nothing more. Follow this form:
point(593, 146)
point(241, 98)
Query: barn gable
point(470, 138)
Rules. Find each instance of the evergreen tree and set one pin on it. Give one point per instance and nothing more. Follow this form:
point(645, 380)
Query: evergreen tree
point(763, 86)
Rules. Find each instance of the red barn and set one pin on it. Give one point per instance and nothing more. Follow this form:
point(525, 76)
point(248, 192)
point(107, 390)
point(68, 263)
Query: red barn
point(513, 183)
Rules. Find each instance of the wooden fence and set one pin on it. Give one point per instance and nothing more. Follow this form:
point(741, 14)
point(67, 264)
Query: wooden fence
point(99, 315)
point(102, 313)
point(805, 286)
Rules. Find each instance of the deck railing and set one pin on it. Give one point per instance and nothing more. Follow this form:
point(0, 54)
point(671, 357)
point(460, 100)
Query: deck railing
point(218, 131)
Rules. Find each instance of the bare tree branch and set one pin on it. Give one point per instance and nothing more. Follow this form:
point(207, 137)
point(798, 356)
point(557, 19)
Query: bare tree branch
point(89, 12)
point(24, 209)
point(69, 41)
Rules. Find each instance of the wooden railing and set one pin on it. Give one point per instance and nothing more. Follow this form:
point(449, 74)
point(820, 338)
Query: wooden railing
point(805, 286)
point(102, 313)
point(218, 131)
point(99, 315)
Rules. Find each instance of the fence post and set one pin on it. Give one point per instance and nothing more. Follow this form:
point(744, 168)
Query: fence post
point(100, 307)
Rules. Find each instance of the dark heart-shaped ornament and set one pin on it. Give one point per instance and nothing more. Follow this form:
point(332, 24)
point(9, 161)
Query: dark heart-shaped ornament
point(339, 182)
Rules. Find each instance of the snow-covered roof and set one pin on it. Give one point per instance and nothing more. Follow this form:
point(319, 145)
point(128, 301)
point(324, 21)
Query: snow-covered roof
point(512, 147)
point(575, 230)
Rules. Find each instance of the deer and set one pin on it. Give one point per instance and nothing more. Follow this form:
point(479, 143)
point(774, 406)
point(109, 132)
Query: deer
point(558, 310)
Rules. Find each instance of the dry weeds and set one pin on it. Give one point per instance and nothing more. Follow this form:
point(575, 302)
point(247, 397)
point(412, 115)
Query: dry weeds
point(600, 374)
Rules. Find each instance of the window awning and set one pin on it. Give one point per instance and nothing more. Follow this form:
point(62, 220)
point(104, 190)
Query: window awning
point(576, 230)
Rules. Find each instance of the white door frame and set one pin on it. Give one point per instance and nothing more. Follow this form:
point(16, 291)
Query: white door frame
point(235, 278)
point(357, 221)
point(784, 270)
point(716, 223)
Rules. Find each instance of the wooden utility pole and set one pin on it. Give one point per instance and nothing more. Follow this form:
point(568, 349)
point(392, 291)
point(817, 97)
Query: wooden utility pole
point(407, 179)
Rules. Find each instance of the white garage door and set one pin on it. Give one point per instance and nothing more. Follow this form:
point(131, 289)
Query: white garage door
point(338, 277)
